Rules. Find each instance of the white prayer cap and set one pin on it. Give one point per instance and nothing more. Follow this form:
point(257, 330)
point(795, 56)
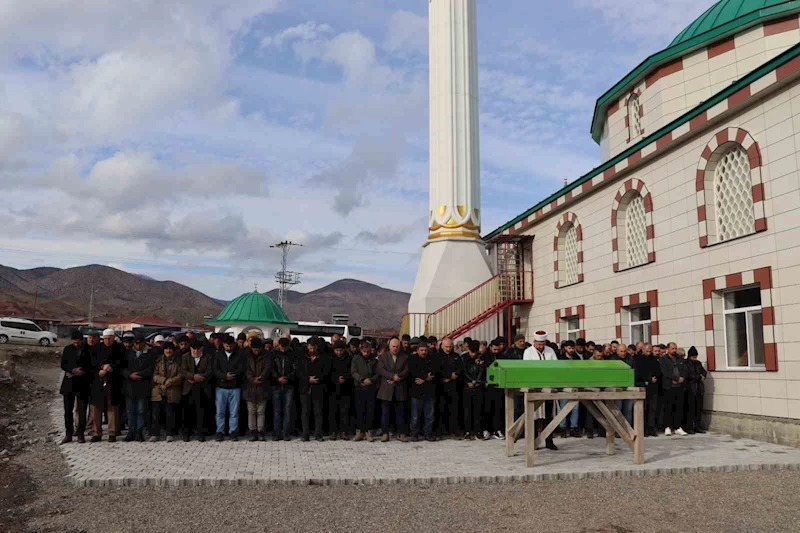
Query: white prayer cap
point(159, 338)
point(540, 336)
point(109, 333)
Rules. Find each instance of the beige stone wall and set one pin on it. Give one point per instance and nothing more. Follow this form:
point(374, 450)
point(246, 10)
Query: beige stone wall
point(681, 265)
point(702, 74)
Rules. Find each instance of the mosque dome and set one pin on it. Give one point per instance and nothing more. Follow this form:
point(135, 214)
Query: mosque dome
point(252, 308)
point(732, 16)
point(723, 20)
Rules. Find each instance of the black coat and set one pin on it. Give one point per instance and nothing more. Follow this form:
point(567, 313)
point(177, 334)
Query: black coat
point(645, 368)
point(143, 366)
point(236, 365)
point(72, 358)
point(451, 364)
point(419, 367)
point(283, 364)
point(670, 371)
point(205, 368)
point(696, 375)
point(340, 367)
point(474, 370)
point(320, 367)
point(110, 385)
point(512, 353)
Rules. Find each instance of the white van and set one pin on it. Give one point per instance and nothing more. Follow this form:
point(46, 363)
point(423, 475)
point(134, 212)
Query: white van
point(21, 331)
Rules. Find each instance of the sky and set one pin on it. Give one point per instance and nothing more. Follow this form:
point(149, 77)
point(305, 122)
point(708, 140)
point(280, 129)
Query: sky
point(179, 139)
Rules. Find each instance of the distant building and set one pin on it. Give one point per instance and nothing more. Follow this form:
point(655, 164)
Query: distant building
point(250, 312)
point(131, 322)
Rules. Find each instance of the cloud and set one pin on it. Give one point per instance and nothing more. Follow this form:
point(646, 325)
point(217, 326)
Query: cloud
point(353, 52)
point(124, 89)
point(307, 31)
point(633, 20)
point(370, 161)
point(84, 28)
point(392, 234)
point(408, 33)
point(126, 180)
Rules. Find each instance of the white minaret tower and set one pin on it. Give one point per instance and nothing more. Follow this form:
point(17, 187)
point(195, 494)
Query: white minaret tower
point(454, 259)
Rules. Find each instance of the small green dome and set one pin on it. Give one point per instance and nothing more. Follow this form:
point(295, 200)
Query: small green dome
point(253, 308)
point(734, 13)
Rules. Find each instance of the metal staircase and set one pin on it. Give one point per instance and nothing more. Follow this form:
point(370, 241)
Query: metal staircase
point(510, 286)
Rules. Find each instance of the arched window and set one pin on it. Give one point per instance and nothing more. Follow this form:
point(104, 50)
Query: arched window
point(632, 230)
point(733, 197)
point(731, 203)
point(634, 235)
point(634, 117)
point(569, 256)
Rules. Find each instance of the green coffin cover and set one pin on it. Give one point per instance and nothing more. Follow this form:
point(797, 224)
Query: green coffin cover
point(512, 374)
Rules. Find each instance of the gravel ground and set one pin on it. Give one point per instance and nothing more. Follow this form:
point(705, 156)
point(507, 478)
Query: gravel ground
point(35, 497)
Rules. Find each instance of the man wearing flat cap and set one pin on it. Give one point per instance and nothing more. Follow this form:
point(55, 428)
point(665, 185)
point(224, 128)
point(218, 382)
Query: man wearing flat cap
point(137, 371)
point(107, 385)
point(76, 364)
point(341, 392)
point(256, 388)
point(229, 369)
point(198, 372)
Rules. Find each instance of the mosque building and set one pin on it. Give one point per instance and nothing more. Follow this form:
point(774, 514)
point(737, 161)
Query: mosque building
point(688, 231)
point(253, 312)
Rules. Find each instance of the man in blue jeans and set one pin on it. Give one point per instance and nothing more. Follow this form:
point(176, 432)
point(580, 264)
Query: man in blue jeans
point(282, 376)
point(229, 369)
point(137, 370)
point(425, 371)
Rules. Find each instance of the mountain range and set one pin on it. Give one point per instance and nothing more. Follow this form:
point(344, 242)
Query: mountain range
point(64, 294)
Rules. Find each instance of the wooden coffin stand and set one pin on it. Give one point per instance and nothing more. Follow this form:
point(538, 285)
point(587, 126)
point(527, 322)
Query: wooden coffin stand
point(598, 385)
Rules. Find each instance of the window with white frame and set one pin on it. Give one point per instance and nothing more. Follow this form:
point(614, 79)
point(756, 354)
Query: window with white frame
point(634, 117)
point(573, 327)
point(640, 322)
point(743, 328)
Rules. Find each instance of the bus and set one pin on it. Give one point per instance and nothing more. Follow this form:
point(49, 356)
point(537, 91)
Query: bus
point(305, 330)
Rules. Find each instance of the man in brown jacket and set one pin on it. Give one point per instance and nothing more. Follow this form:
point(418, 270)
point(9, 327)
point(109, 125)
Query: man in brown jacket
point(167, 392)
point(393, 389)
point(255, 388)
point(198, 373)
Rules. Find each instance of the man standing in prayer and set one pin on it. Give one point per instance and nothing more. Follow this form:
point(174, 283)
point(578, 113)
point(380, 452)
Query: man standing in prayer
point(539, 351)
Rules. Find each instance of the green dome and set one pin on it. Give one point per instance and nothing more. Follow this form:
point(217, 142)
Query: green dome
point(724, 19)
point(733, 13)
point(253, 308)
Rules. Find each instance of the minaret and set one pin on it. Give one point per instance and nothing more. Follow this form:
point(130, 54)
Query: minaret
point(454, 259)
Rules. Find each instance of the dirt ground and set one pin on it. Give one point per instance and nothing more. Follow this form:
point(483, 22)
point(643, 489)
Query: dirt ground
point(34, 496)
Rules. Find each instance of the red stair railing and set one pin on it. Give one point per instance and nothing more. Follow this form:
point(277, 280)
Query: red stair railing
point(481, 303)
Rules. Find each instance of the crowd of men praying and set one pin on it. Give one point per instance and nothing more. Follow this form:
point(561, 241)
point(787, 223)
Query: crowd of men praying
point(202, 387)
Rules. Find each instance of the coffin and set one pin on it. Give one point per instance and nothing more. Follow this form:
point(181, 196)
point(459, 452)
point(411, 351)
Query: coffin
point(513, 374)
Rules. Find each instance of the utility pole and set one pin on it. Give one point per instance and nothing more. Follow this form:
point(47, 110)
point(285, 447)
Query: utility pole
point(35, 301)
point(285, 278)
point(91, 306)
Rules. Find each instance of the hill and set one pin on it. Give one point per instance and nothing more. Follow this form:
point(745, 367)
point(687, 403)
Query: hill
point(64, 294)
point(368, 305)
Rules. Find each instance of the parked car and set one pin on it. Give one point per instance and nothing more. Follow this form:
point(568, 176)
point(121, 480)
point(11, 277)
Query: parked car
point(21, 331)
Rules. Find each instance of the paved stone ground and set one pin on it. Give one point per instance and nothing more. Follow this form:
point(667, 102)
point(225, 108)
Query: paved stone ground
point(449, 461)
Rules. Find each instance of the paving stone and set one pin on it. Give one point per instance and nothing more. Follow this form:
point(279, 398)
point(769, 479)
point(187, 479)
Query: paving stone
point(449, 461)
